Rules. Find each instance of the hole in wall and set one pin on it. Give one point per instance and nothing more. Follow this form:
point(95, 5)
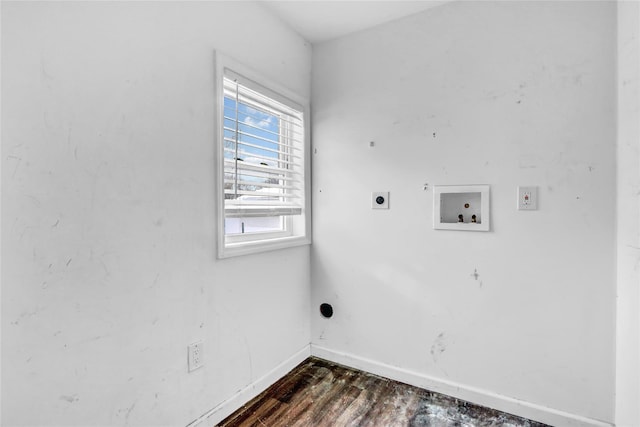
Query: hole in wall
point(326, 310)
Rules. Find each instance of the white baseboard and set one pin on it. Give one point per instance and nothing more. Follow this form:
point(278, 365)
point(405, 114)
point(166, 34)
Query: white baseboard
point(229, 406)
point(475, 395)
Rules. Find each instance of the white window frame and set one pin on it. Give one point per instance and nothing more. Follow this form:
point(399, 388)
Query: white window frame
point(298, 227)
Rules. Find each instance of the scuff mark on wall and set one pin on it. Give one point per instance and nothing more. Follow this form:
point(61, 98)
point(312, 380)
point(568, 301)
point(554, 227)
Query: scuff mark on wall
point(106, 270)
point(127, 412)
point(70, 399)
point(476, 276)
point(155, 281)
point(94, 338)
point(438, 347)
point(25, 315)
point(18, 161)
point(246, 343)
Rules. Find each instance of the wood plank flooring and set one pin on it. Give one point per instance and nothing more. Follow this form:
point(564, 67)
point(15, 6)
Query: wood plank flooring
point(319, 393)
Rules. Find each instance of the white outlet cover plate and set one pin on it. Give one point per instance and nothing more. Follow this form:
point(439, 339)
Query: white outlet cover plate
point(374, 200)
point(195, 356)
point(527, 198)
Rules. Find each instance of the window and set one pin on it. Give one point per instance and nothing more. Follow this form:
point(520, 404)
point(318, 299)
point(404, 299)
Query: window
point(263, 164)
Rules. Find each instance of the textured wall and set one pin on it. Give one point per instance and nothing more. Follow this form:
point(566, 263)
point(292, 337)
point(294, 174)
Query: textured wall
point(499, 93)
point(108, 247)
point(628, 216)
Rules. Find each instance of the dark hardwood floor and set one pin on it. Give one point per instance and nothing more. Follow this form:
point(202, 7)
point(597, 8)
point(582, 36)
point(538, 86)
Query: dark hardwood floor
point(319, 393)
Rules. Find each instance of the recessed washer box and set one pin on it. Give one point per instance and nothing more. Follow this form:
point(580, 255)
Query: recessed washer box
point(461, 207)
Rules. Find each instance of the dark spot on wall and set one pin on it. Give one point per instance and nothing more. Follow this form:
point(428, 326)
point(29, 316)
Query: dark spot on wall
point(438, 347)
point(69, 399)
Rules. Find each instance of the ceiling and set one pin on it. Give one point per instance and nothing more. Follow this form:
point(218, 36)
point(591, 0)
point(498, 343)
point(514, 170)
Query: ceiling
point(322, 20)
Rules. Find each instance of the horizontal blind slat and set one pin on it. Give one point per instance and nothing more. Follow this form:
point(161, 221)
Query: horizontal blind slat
point(255, 212)
point(246, 157)
point(245, 166)
point(265, 185)
point(290, 143)
point(295, 132)
point(260, 197)
point(298, 151)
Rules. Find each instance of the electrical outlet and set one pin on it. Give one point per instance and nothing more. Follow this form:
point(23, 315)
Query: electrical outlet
point(380, 200)
point(195, 356)
point(527, 198)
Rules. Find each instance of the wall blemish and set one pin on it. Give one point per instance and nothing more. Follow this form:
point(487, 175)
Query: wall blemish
point(70, 399)
point(476, 276)
point(155, 281)
point(438, 347)
point(18, 161)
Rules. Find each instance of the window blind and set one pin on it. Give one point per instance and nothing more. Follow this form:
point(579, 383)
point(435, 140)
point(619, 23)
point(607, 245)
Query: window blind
point(263, 151)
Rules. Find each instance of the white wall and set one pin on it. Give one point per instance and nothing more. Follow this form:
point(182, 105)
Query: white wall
point(108, 242)
point(628, 216)
point(499, 93)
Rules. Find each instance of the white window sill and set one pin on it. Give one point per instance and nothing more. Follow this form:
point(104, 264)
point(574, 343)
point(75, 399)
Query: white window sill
point(246, 248)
